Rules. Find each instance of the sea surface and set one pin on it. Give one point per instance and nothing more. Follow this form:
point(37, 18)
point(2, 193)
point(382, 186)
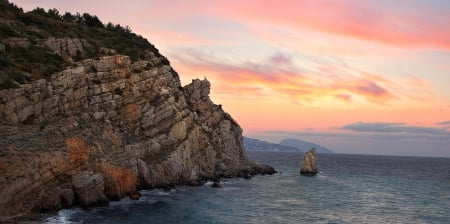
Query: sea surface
point(349, 189)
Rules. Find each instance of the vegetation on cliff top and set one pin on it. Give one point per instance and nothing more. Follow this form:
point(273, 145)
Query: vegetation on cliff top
point(25, 57)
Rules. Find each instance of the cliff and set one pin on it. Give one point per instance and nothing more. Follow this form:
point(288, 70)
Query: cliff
point(106, 134)
point(106, 127)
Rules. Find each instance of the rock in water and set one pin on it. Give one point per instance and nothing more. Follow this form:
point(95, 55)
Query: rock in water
point(309, 164)
point(216, 184)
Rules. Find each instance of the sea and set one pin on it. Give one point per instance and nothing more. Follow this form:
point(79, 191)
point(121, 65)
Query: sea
point(348, 189)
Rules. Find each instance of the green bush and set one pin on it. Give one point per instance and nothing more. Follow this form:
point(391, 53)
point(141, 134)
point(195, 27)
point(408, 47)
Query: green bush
point(7, 31)
point(19, 77)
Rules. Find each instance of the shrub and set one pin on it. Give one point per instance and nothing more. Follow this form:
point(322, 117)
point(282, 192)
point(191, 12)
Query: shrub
point(7, 31)
point(7, 84)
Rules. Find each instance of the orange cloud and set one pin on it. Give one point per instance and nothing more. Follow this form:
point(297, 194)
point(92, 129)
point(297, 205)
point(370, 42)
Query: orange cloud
point(343, 97)
point(268, 79)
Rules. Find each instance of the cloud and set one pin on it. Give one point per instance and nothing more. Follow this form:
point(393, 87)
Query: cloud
point(411, 143)
point(444, 123)
point(280, 59)
point(407, 25)
point(393, 128)
point(371, 88)
point(280, 77)
point(343, 97)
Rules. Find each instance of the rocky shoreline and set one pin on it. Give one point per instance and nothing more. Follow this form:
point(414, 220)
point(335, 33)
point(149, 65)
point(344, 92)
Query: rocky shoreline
point(106, 128)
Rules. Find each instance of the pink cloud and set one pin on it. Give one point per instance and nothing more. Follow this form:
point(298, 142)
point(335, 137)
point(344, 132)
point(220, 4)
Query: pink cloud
point(358, 19)
point(373, 91)
point(343, 97)
point(405, 24)
point(254, 79)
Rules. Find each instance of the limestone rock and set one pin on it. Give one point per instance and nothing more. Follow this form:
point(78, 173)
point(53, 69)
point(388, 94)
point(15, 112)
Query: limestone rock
point(104, 50)
point(89, 189)
point(105, 128)
point(17, 41)
point(66, 47)
point(55, 201)
point(309, 163)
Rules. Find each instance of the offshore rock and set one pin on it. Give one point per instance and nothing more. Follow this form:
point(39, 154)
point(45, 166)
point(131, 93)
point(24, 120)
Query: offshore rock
point(106, 128)
point(216, 184)
point(309, 164)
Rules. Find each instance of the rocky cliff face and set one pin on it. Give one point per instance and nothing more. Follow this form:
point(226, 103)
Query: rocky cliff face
point(104, 129)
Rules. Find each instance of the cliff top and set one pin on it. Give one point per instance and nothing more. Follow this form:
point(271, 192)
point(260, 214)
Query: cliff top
point(36, 44)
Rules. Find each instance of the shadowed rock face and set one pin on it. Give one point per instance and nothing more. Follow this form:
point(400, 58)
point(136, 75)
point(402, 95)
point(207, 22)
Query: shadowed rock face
point(105, 129)
point(309, 163)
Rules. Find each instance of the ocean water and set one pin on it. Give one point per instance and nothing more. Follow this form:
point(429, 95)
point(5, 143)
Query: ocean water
point(349, 189)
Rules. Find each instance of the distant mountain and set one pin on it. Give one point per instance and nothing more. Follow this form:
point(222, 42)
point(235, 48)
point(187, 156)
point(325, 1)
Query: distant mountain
point(304, 146)
point(258, 145)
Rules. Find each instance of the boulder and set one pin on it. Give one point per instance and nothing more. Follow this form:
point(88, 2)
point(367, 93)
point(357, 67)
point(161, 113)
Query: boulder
point(62, 198)
point(216, 184)
point(309, 164)
point(89, 189)
point(134, 195)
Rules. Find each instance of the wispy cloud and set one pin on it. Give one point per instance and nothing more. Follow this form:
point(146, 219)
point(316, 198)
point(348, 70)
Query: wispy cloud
point(280, 59)
point(373, 138)
point(344, 97)
point(408, 24)
point(279, 76)
point(445, 123)
point(393, 128)
point(405, 25)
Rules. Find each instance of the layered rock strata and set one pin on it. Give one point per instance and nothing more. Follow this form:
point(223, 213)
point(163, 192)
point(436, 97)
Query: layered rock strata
point(106, 128)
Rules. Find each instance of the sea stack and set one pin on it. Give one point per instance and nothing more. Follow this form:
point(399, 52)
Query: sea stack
point(309, 164)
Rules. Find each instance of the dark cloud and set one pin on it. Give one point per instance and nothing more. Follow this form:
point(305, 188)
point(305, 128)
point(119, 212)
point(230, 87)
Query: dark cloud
point(372, 89)
point(444, 123)
point(434, 143)
point(393, 128)
point(280, 59)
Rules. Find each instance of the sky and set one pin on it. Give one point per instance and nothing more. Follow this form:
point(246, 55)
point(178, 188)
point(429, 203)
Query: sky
point(366, 77)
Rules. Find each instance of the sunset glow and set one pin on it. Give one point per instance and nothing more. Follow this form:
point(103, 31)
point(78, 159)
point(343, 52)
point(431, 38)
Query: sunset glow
point(306, 68)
